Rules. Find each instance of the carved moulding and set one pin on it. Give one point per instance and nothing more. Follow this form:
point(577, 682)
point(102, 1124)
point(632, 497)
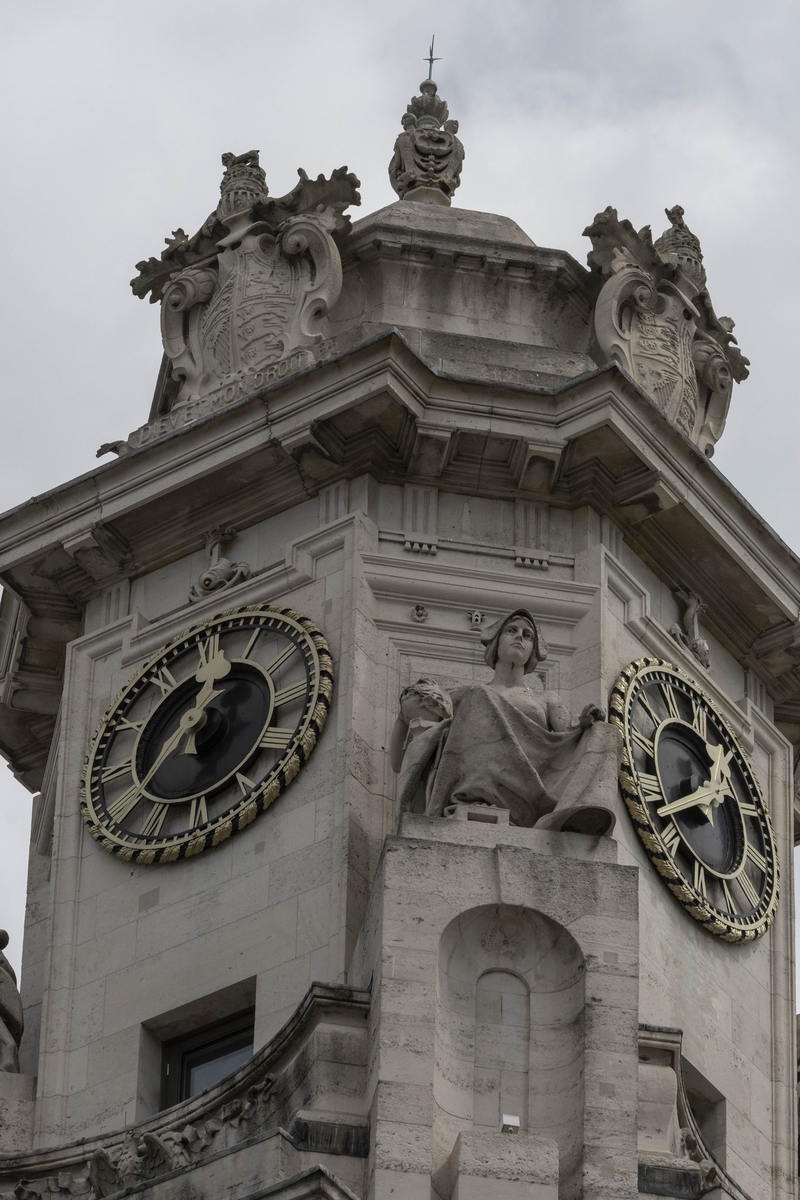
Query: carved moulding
point(250, 289)
point(674, 1157)
point(654, 316)
point(248, 1104)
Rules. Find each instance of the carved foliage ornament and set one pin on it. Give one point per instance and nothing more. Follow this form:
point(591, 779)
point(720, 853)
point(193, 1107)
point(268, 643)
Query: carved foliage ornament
point(207, 734)
point(253, 284)
point(654, 316)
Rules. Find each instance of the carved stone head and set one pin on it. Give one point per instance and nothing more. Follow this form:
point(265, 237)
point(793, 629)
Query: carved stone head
point(491, 637)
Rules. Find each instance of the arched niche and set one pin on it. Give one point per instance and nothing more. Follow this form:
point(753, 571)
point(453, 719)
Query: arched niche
point(510, 1029)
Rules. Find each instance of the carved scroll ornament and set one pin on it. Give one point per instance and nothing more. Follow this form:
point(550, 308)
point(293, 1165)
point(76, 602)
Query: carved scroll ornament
point(252, 286)
point(654, 316)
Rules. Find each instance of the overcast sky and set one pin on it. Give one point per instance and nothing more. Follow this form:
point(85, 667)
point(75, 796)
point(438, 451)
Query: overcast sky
point(117, 113)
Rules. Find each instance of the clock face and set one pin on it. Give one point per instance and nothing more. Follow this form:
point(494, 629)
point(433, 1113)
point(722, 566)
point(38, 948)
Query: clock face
point(207, 734)
point(695, 802)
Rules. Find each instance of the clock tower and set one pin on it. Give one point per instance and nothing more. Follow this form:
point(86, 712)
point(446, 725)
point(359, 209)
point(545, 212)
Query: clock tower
point(410, 705)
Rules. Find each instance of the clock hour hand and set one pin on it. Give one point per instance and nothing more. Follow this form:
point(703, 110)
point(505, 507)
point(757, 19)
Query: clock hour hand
point(711, 793)
point(195, 718)
point(703, 796)
point(207, 674)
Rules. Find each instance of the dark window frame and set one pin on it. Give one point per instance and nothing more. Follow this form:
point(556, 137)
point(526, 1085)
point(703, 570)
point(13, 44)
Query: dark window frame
point(180, 1054)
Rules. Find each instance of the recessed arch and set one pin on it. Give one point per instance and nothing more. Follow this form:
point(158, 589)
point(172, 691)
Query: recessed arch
point(510, 1028)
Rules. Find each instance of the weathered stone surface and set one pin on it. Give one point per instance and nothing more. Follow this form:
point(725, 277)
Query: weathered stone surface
point(426, 164)
point(654, 316)
point(505, 746)
point(249, 289)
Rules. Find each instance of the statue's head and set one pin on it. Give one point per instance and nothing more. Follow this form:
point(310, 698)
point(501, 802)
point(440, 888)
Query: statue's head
point(3, 939)
point(511, 637)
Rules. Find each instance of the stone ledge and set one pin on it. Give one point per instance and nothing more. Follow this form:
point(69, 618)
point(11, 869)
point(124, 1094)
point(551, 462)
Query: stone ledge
point(477, 833)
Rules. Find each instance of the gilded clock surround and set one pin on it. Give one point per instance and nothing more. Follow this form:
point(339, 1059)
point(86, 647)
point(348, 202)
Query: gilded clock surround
point(711, 839)
point(211, 718)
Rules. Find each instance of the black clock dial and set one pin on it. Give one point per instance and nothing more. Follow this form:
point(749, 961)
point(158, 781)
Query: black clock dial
point(235, 721)
point(207, 734)
point(695, 802)
point(683, 764)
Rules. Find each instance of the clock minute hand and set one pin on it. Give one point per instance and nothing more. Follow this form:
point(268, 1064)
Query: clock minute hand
point(208, 673)
point(173, 741)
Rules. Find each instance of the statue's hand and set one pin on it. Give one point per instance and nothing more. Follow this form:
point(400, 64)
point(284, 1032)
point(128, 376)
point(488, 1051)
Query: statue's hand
point(591, 715)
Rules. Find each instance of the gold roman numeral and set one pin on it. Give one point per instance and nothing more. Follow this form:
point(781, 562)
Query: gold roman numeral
point(114, 772)
point(699, 720)
point(244, 783)
point(276, 738)
point(671, 839)
point(208, 650)
point(728, 897)
point(119, 809)
point(648, 708)
point(669, 699)
point(249, 647)
point(165, 681)
point(124, 723)
point(749, 810)
point(198, 813)
point(748, 889)
point(650, 785)
point(282, 658)
point(293, 692)
point(641, 740)
point(756, 858)
point(700, 879)
point(152, 826)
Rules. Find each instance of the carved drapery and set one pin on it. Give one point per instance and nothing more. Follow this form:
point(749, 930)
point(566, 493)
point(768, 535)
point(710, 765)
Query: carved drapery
point(653, 315)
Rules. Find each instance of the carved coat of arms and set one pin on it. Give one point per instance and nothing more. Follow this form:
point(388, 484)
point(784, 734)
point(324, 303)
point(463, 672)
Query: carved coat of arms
point(653, 315)
point(253, 284)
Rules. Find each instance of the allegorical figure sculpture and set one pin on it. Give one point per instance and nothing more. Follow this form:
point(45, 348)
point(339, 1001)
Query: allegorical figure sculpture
point(506, 745)
point(653, 315)
point(426, 164)
point(11, 1022)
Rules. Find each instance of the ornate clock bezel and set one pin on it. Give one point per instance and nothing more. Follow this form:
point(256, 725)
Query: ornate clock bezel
point(695, 903)
point(132, 847)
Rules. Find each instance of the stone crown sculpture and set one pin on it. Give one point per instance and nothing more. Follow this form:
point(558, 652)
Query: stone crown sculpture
point(426, 164)
point(251, 287)
point(654, 316)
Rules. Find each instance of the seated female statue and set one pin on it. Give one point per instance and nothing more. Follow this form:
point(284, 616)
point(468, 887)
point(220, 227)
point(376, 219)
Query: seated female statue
point(507, 745)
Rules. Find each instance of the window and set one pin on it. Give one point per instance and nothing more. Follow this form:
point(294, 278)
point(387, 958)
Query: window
point(200, 1059)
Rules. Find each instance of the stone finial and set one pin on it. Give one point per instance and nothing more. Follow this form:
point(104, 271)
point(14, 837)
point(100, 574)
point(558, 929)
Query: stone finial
point(243, 184)
point(426, 164)
point(679, 247)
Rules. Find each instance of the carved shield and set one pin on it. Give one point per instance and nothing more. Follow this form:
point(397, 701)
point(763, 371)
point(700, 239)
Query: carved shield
point(661, 351)
point(247, 321)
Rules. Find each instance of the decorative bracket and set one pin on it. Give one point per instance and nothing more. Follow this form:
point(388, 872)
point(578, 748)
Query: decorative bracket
point(221, 573)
